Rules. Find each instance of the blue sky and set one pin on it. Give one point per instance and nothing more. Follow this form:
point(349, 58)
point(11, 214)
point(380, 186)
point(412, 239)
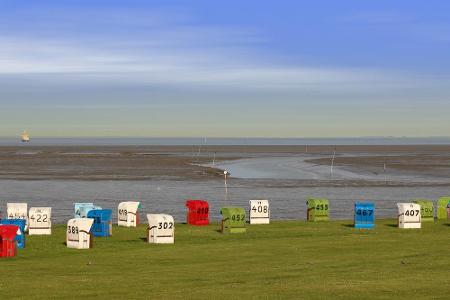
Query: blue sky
point(225, 68)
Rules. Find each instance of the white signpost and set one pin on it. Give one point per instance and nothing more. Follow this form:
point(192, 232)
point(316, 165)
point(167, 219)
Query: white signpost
point(161, 229)
point(409, 215)
point(78, 233)
point(127, 214)
point(18, 211)
point(259, 212)
point(40, 222)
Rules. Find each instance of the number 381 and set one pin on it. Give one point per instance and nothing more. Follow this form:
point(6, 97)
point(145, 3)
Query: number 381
point(72, 229)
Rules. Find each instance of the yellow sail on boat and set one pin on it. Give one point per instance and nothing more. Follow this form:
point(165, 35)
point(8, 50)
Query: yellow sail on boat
point(25, 137)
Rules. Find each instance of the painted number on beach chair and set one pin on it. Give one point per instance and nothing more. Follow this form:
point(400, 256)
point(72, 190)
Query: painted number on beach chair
point(16, 216)
point(72, 229)
point(260, 209)
point(322, 207)
point(427, 209)
point(238, 218)
point(165, 225)
point(39, 218)
point(364, 212)
point(123, 214)
point(203, 210)
point(72, 233)
point(412, 212)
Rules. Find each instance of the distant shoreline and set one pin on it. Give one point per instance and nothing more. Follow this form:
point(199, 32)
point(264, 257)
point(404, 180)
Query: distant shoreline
point(202, 141)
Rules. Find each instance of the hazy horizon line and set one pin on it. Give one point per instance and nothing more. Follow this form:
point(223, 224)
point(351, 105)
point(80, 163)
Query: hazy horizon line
point(228, 137)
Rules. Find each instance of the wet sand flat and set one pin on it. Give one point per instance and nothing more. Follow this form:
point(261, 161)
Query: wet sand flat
point(425, 164)
point(29, 162)
point(98, 163)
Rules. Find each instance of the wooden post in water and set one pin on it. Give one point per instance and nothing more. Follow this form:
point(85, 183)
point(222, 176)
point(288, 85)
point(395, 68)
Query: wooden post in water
point(332, 162)
point(226, 173)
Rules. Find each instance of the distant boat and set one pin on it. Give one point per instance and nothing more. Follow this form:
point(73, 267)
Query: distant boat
point(25, 137)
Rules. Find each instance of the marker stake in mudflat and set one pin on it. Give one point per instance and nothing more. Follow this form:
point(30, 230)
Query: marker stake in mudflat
point(226, 173)
point(332, 162)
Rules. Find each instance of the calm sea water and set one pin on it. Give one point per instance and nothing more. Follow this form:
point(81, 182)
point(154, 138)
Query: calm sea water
point(169, 196)
point(297, 167)
point(225, 141)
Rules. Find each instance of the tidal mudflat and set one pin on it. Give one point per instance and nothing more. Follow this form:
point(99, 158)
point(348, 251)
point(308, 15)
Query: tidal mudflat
point(163, 177)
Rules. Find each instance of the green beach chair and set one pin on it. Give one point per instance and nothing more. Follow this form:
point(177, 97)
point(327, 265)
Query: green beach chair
point(233, 220)
point(318, 209)
point(442, 204)
point(426, 209)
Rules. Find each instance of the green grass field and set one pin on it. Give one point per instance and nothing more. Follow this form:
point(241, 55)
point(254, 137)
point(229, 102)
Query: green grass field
point(287, 259)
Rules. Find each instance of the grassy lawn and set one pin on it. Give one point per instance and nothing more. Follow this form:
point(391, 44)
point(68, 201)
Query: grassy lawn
point(287, 259)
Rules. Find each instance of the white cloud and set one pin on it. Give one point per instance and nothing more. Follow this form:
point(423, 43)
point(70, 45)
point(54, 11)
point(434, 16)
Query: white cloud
point(184, 64)
point(173, 51)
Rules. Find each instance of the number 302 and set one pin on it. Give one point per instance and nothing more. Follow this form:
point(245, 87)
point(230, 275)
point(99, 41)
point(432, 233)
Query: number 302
point(165, 225)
